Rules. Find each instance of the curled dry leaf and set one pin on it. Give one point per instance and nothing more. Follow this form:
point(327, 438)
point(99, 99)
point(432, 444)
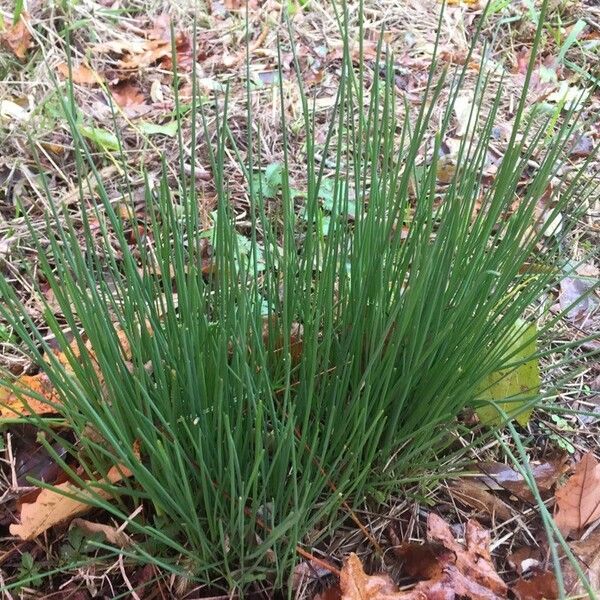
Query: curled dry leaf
point(81, 74)
point(112, 534)
point(18, 38)
point(541, 585)
point(53, 507)
point(578, 501)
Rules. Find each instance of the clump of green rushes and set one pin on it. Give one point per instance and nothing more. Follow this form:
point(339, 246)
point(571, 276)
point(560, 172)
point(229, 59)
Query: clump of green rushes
point(320, 360)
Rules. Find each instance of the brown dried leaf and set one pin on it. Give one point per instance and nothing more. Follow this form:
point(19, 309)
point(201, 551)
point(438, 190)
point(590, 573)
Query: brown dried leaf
point(51, 507)
point(423, 561)
point(330, 593)
point(112, 534)
point(460, 572)
point(578, 501)
point(136, 54)
point(18, 38)
point(473, 574)
point(477, 497)
point(81, 74)
point(540, 586)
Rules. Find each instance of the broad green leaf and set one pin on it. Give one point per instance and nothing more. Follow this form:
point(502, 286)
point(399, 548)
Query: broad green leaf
point(169, 129)
point(521, 383)
point(328, 193)
point(101, 137)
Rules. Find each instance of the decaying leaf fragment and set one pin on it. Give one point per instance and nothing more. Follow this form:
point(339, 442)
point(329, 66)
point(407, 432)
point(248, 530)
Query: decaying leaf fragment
point(541, 585)
point(588, 553)
point(578, 501)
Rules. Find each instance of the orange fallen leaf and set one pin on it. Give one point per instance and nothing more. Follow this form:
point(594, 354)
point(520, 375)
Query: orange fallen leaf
point(81, 74)
point(20, 403)
point(578, 501)
point(13, 404)
point(18, 38)
point(53, 507)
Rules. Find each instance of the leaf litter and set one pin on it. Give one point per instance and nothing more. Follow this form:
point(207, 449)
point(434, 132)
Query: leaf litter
point(578, 500)
point(446, 569)
point(153, 47)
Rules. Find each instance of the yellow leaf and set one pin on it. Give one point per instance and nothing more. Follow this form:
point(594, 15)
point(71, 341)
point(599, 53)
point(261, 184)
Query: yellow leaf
point(522, 382)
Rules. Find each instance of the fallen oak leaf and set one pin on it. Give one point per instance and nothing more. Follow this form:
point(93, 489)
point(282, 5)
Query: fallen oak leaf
point(473, 574)
point(355, 584)
point(449, 569)
point(18, 38)
point(578, 501)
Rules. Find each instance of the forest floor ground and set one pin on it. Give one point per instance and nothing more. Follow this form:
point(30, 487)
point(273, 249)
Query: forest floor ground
point(122, 71)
